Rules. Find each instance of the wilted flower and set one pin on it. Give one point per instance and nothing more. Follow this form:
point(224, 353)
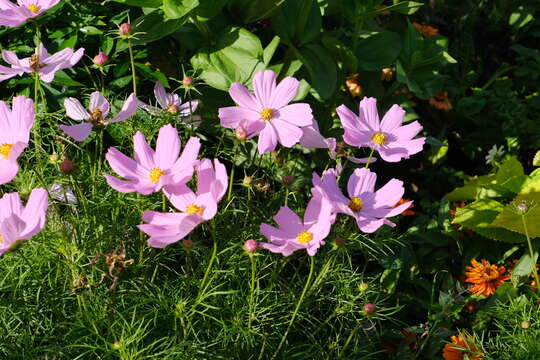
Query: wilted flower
point(172, 104)
point(100, 59)
point(62, 193)
point(196, 208)
point(15, 134)
point(426, 30)
point(99, 109)
point(370, 208)
point(267, 111)
point(392, 140)
point(40, 62)
point(18, 222)
point(461, 344)
point(293, 234)
point(117, 263)
point(152, 170)
point(441, 101)
point(13, 15)
point(387, 74)
point(353, 85)
point(485, 277)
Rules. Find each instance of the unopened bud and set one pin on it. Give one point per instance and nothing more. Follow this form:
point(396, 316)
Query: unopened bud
point(240, 132)
point(525, 324)
point(247, 180)
point(250, 246)
point(364, 286)
point(187, 80)
point(125, 29)
point(522, 206)
point(370, 308)
point(66, 166)
point(287, 179)
point(187, 243)
point(100, 59)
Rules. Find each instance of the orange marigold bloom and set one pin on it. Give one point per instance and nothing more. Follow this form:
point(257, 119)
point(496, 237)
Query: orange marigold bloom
point(441, 101)
point(353, 85)
point(426, 30)
point(485, 277)
point(407, 211)
point(461, 344)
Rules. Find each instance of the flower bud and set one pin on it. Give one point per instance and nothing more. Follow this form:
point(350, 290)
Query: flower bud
point(522, 206)
point(340, 241)
point(187, 243)
point(240, 132)
point(250, 246)
point(66, 166)
point(370, 308)
point(187, 80)
point(525, 324)
point(247, 180)
point(287, 179)
point(100, 59)
point(125, 29)
point(364, 286)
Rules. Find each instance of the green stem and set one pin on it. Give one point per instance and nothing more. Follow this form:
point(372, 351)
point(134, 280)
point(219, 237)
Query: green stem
point(252, 289)
point(533, 262)
point(348, 341)
point(212, 258)
point(231, 178)
point(298, 304)
point(132, 67)
point(369, 158)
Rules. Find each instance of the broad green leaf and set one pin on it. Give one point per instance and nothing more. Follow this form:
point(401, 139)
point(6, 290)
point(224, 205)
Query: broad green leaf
point(536, 160)
point(61, 78)
point(524, 267)
point(340, 51)
point(252, 10)
point(474, 189)
point(404, 7)
point(153, 26)
point(207, 9)
point(292, 28)
point(510, 167)
point(269, 50)
point(176, 9)
point(321, 67)
point(378, 50)
point(153, 75)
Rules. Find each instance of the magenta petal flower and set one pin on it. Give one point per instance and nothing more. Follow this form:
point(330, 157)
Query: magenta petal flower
point(392, 141)
point(99, 109)
point(18, 222)
point(370, 208)
point(40, 62)
point(196, 208)
point(293, 234)
point(268, 110)
point(152, 170)
point(13, 15)
point(15, 128)
point(172, 104)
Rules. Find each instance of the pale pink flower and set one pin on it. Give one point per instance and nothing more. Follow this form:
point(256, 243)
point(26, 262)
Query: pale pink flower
point(370, 208)
point(13, 15)
point(172, 104)
point(293, 234)
point(196, 208)
point(18, 222)
point(15, 128)
point(312, 138)
point(97, 116)
point(268, 111)
point(152, 170)
point(43, 64)
point(392, 141)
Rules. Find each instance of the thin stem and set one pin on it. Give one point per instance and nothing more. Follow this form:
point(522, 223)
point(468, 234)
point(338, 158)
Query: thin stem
point(132, 67)
point(342, 352)
point(535, 272)
point(231, 178)
point(369, 158)
point(212, 258)
point(298, 304)
point(252, 289)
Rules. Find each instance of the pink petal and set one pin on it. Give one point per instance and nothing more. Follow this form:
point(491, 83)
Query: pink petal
point(393, 118)
point(23, 114)
point(297, 114)
point(369, 225)
point(361, 181)
point(288, 221)
point(124, 166)
point(11, 58)
point(182, 170)
point(78, 132)
point(161, 95)
point(288, 134)
point(284, 93)
point(74, 59)
point(268, 139)
point(264, 85)
point(167, 147)
point(244, 98)
point(8, 170)
point(361, 160)
point(231, 116)
point(34, 213)
point(143, 152)
point(222, 180)
point(389, 194)
point(276, 236)
point(369, 114)
point(179, 195)
point(98, 101)
point(128, 109)
point(407, 132)
point(75, 110)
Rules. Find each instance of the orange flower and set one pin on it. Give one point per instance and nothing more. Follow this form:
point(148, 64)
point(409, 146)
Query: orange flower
point(407, 211)
point(441, 101)
point(426, 30)
point(485, 277)
point(461, 344)
point(353, 85)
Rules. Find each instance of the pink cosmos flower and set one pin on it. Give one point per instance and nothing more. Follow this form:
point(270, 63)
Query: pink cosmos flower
point(18, 222)
point(370, 208)
point(267, 111)
point(99, 109)
point(293, 234)
point(392, 141)
point(172, 104)
point(43, 64)
point(312, 138)
point(14, 134)
point(152, 170)
point(13, 15)
point(196, 208)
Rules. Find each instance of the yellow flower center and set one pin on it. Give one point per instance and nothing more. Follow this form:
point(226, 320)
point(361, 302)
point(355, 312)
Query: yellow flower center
point(1, 239)
point(378, 138)
point(5, 149)
point(33, 8)
point(96, 115)
point(305, 237)
point(155, 175)
point(355, 204)
point(172, 109)
point(267, 114)
point(192, 209)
